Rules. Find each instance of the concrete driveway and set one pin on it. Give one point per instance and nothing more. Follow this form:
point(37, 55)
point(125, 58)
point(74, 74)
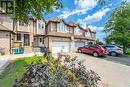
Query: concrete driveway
point(112, 74)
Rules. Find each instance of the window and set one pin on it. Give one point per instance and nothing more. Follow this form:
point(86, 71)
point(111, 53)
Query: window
point(26, 40)
point(40, 26)
point(87, 34)
point(54, 26)
point(93, 35)
point(77, 31)
point(18, 36)
point(93, 47)
point(40, 39)
point(21, 23)
point(62, 27)
point(86, 46)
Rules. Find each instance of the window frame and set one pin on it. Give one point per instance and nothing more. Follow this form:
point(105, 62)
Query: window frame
point(18, 37)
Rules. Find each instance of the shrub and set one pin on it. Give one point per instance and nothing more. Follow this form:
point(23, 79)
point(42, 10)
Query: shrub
point(61, 72)
point(128, 51)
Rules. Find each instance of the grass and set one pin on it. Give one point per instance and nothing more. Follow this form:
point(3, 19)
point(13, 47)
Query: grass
point(7, 78)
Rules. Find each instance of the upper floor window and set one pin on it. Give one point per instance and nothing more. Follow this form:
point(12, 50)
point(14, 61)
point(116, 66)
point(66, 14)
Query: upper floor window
point(93, 35)
point(71, 30)
point(40, 26)
point(87, 34)
point(62, 27)
point(77, 31)
point(21, 23)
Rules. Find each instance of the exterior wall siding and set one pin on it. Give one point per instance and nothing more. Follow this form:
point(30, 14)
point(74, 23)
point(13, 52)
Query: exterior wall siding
point(5, 41)
point(6, 21)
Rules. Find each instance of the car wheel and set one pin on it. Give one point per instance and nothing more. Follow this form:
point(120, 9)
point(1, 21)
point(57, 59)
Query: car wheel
point(95, 54)
point(113, 54)
point(79, 51)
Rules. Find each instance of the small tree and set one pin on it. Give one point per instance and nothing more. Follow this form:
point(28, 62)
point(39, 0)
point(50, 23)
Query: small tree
point(99, 42)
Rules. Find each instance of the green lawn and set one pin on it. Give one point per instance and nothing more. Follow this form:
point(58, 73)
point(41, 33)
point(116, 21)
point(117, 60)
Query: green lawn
point(8, 77)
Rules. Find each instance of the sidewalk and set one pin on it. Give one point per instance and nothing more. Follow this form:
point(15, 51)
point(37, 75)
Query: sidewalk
point(6, 58)
point(15, 56)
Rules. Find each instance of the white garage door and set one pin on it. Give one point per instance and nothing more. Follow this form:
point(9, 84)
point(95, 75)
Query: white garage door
point(58, 46)
point(79, 44)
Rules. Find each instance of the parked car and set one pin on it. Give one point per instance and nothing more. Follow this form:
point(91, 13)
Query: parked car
point(95, 50)
point(114, 50)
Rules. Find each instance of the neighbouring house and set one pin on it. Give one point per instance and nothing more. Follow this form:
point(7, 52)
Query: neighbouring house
point(6, 39)
point(66, 37)
point(24, 35)
point(6, 34)
point(56, 34)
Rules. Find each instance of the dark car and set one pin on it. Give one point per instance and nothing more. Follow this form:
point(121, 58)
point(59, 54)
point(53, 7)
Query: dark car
point(95, 50)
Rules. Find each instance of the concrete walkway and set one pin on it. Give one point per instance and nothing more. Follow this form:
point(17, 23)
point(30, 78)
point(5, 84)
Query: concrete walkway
point(112, 74)
point(6, 58)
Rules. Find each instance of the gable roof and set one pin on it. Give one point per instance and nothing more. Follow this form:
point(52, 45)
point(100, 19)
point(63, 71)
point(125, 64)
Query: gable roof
point(71, 24)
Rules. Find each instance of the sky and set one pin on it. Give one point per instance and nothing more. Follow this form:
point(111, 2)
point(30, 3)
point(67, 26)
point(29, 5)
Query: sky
point(86, 13)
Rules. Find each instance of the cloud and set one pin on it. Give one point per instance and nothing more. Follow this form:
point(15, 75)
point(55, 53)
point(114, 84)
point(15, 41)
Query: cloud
point(93, 28)
point(82, 6)
point(94, 17)
point(66, 14)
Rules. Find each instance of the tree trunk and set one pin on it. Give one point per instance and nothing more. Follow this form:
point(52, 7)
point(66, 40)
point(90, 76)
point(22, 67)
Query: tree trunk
point(124, 48)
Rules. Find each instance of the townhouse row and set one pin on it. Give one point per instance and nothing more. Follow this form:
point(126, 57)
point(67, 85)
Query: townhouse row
point(56, 34)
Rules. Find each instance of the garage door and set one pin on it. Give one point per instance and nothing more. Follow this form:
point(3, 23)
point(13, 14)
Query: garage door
point(79, 44)
point(58, 46)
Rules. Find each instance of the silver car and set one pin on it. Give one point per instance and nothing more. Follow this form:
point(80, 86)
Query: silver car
point(114, 50)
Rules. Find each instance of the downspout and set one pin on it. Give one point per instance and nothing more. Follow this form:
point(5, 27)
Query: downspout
point(10, 42)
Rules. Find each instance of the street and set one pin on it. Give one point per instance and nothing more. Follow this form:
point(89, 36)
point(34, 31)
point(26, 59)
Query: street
point(112, 74)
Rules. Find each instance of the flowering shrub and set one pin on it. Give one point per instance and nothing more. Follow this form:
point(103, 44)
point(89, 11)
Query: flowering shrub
point(61, 72)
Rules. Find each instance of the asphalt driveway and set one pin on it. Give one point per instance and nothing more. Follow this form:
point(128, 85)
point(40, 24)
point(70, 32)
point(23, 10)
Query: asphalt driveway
point(112, 74)
point(120, 59)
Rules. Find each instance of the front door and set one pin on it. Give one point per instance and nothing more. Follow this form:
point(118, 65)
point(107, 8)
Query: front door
point(40, 42)
point(26, 40)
